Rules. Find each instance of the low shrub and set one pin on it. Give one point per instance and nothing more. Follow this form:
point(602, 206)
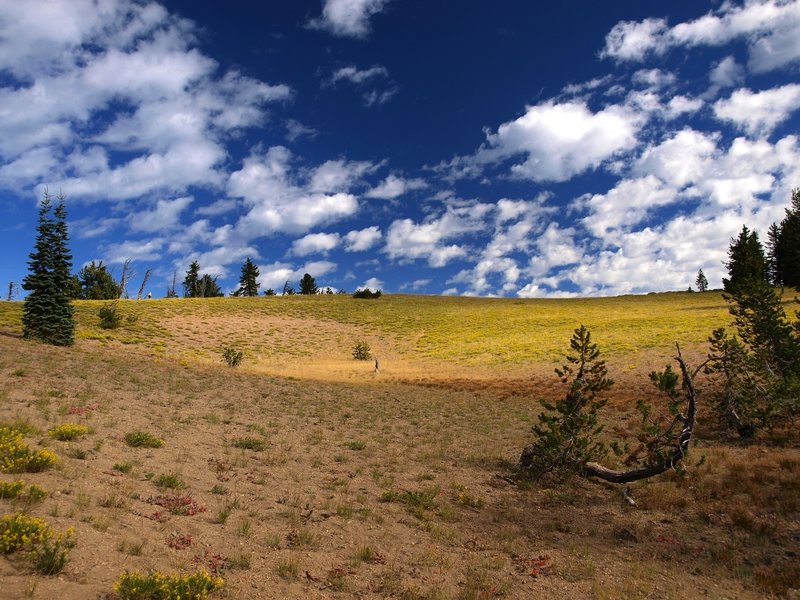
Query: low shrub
point(362, 351)
point(161, 586)
point(109, 317)
point(15, 490)
point(68, 431)
point(250, 443)
point(178, 505)
point(142, 439)
point(232, 356)
point(19, 532)
point(32, 536)
point(171, 482)
point(17, 457)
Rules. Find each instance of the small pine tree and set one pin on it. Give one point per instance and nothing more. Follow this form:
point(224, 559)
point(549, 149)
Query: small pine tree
point(567, 433)
point(701, 282)
point(47, 314)
point(190, 281)
point(746, 261)
point(308, 285)
point(248, 282)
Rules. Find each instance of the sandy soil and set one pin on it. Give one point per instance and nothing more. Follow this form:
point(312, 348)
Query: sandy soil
point(368, 485)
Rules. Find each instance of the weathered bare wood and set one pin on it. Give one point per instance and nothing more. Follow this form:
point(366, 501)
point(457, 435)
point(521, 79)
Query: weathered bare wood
point(681, 443)
point(144, 283)
point(127, 273)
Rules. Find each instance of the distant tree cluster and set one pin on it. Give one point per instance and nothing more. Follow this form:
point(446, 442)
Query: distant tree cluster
point(367, 293)
point(94, 282)
point(200, 286)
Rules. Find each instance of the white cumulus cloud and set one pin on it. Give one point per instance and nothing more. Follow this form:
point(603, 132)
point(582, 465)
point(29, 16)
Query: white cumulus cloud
point(394, 186)
point(315, 243)
point(771, 29)
point(348, 18)
point(362, 240)
point(758, 113)
point(557, 140)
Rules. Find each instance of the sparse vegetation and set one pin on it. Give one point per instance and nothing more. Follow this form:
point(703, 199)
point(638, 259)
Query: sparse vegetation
point(410, 469)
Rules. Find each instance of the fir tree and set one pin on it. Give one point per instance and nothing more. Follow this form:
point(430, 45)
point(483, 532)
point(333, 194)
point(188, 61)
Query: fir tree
point(308, 285)
point(47, 314)
point(701, 282)
point(190, 281)
point(746, 261)
point(248, 282)
point(787, 246)
point(774, 274)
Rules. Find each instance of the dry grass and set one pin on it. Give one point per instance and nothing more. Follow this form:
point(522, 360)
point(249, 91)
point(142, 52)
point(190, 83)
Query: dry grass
point(366, 485)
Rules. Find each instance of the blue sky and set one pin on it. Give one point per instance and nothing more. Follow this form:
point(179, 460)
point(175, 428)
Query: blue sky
point(516, 148)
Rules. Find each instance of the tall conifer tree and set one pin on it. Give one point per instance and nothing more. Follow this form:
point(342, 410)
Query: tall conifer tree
point(746, 261)
point(191, 279)
point(47, 314)
point(787, 250)
point(248, 282)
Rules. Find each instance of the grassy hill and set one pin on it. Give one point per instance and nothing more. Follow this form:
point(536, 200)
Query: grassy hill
point(304, 474)
point(413, 335)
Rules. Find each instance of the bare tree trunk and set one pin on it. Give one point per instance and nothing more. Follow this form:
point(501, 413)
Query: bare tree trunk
point(681, 443)
point(127, 273)
point(171, 293)
point(144, 283)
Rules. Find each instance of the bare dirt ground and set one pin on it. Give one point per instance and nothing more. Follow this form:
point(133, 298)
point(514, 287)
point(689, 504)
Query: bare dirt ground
point(364, 485)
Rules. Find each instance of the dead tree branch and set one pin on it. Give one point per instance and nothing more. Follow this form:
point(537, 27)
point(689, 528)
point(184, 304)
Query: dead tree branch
point(681, 444)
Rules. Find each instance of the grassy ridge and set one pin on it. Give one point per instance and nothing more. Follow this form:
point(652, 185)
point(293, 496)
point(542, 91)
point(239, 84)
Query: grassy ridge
point(466, 331)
